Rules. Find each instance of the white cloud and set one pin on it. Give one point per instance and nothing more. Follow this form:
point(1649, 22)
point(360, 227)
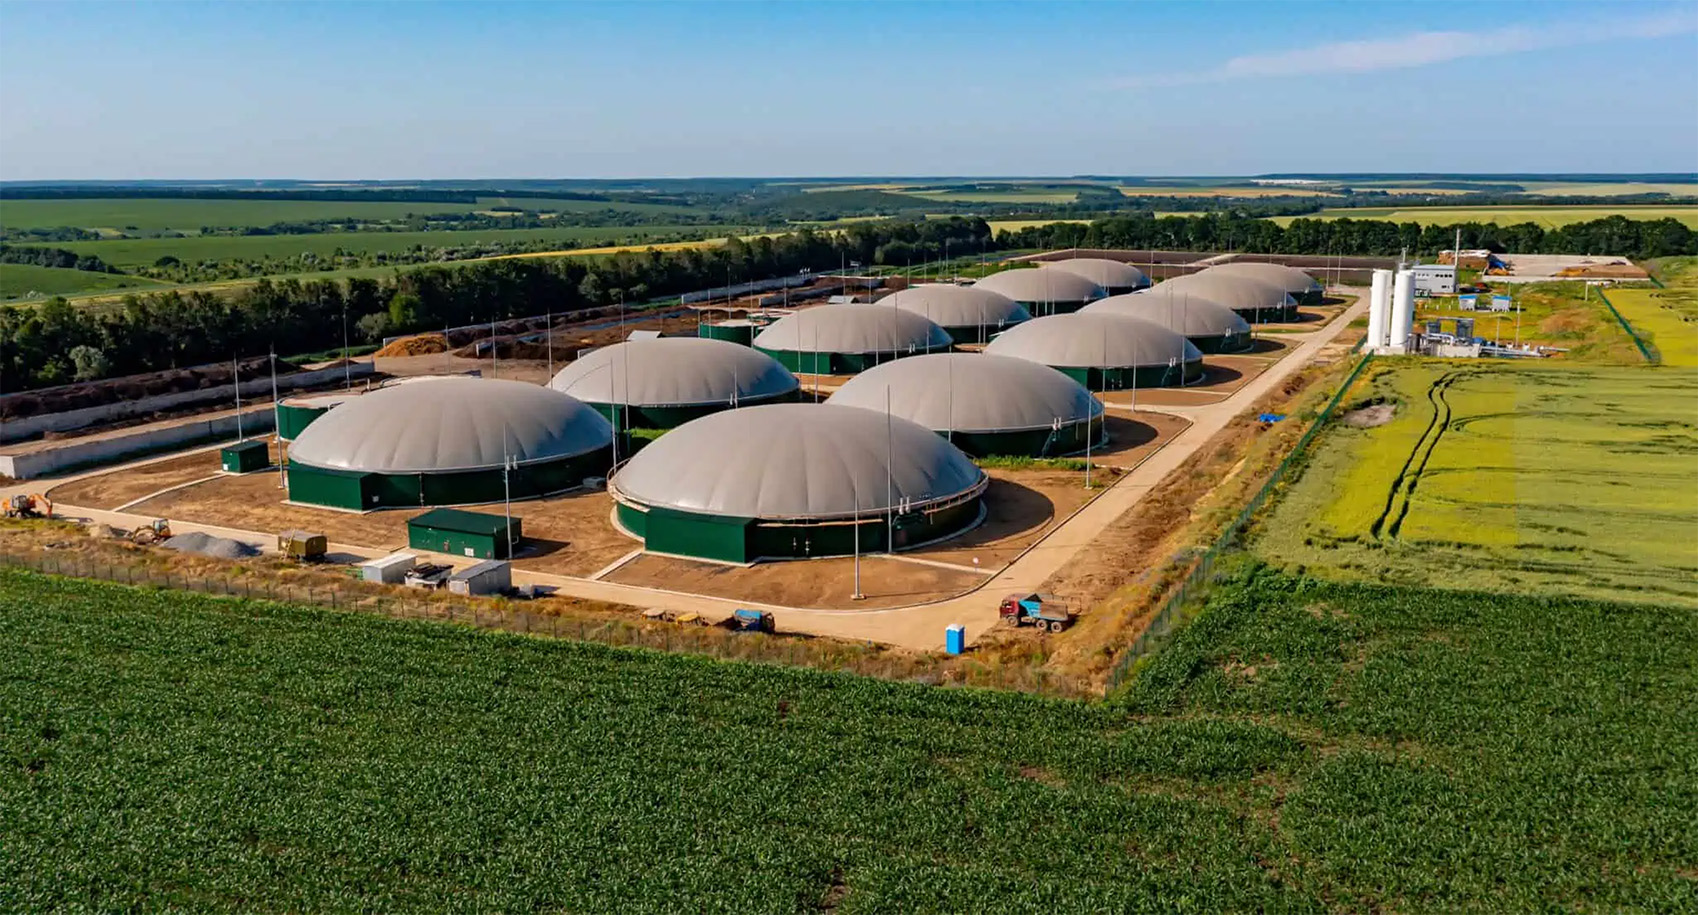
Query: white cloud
point(1421, 49)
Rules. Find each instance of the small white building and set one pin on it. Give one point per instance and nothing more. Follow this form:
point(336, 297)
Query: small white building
point(1434, 279)
point(492, 576)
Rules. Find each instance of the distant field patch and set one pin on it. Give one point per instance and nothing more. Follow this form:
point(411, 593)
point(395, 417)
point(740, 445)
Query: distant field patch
point(1666, 318)
point(1015, 225)
point(21, 281)
point(1608, 189)
point(1512, 478)
point(1553, 217)
point(1259, 191)
point(1010, 196)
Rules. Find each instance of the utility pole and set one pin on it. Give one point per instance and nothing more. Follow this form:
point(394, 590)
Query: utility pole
point(857, 595)
point(276, 414)
point(889, 481)
point(236, 382)
point(347, 367)
point(550, 344)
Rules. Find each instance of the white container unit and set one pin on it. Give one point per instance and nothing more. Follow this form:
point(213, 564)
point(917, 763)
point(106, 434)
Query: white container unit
point(390, 570)
point(491, 576)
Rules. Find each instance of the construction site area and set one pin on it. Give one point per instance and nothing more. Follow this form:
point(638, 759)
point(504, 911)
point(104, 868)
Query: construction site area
point(827, 462)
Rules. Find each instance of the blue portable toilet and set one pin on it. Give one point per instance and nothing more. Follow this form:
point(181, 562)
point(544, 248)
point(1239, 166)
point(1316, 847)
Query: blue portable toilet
point(955, 639)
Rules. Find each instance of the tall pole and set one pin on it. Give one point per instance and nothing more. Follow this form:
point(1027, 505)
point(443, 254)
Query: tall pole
point(889, 481)
point(857, 595)
point(492, 356)
point(550, 344)
point(236, 382)
point(507, 488)
point(347, 367)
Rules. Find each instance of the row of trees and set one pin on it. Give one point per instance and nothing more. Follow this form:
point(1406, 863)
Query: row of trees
point(54, 257)
point(1613, 235)
point(172, 329)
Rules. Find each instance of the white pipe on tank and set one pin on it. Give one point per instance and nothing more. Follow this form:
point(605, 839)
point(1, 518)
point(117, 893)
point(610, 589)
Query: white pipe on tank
point(1402, 310)
point(1379, 310)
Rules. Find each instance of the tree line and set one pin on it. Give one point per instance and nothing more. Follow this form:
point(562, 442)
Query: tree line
point(155, 331)
point(54, 257)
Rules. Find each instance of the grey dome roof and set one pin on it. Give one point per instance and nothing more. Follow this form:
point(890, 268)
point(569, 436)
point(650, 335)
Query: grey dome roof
point(1290, 279)
point(1025, 285)
point(1083, 340)
point(852, 329)
point(451, 424)
point(1193, 316)
point(971, 392)
point(795, 461)
point(1236, 291)
point(1102, 271)
point(674, 371)
point(958, 306)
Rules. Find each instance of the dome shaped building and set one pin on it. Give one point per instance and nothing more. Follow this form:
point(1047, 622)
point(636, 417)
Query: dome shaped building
point(1043, 292)
point(663, 382)
point(1255, 300)
point(792, 481)
point(969, 314)
point(845, 339)
point(1104, 352)
point(1296, 283)
point(1114, 277)
point(1209, 325)
point(444, 442)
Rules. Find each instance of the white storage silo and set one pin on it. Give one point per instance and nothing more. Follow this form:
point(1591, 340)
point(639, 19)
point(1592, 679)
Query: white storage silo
point(1402, 310)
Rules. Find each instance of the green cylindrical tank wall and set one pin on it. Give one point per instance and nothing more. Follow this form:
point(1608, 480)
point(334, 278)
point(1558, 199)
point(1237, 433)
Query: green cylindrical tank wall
point(1222, 343)
point(729, 539)
point(812, 363)
point(292, 419)
point(641, 417)
point(1069, 439)
point(735, 333)
point(364, 490)
point(1120, 379)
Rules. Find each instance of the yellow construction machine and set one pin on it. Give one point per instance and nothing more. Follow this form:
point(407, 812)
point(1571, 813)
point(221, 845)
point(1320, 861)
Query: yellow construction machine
point(159, 530)
point(30, 506)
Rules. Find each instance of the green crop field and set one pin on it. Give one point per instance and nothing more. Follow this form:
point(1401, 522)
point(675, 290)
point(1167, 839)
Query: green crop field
point(30, 281)
point(1608, 189)
point(143, 216)
point(1301, 747)
point(125, 253)
point(1037, 195)
point(1665, 318)
point(1550, 217)
point(1555, 479)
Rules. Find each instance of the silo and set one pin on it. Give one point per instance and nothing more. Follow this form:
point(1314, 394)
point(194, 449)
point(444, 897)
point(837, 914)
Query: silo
point(795, 481)
point(1379, 296)
point(1402, 310)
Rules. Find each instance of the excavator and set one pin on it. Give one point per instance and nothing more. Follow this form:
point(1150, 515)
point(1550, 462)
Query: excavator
point(30, 506)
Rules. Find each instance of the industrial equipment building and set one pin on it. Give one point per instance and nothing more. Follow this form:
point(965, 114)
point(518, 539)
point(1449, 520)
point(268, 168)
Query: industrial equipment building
point(1104, 352)
point(792, 481)
point(968, 314)
point(1256, 301)
point(1302, 287)
point(1043, 292)
point(983, 404)
point(445, 442)
point(1209, 325)
point(845, 339)
point(662, 382)
point(1114, 277)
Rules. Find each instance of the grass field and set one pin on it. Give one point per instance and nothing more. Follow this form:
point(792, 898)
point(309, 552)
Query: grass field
point(1665, 318)
point(1010, 196)
point(1550, 217)
point(144, 252)
point(1552, 479)
point(28, 280)
point(1557, 314)
point(1301, 747)
point(150, 216)
point(1015, 225)
point(1608, 189)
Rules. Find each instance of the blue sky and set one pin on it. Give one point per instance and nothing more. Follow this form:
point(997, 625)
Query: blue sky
point(414, 90)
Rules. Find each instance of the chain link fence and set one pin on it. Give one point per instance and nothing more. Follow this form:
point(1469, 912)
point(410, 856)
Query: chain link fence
point(1168, 617)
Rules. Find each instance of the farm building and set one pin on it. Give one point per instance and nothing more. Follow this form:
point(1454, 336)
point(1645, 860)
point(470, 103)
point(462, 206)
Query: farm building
point(665, 381)
point(1299, 285)
point(245, 456)
point(1209, 325)
point(982, 404)
point(1043, 292)
point(968, 314)
point(1114, 277)
point(1104, 352)
point(1256, 301)
point(463, 533)
point(444, 442)
point(845, 339)
point(296, 413)
point(790, 481)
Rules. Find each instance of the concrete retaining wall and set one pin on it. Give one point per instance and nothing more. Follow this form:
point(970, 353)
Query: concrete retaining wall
point(113, 448)
point(258, 389)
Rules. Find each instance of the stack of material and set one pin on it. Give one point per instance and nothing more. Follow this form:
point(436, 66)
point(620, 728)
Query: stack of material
point(417, 345)
point(208, 545)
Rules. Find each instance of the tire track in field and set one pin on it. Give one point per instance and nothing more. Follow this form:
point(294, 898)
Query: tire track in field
point(1422, 451)
point(1440, 425)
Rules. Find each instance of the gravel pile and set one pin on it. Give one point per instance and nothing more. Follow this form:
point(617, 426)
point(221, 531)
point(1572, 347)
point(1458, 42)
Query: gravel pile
point(208, 545)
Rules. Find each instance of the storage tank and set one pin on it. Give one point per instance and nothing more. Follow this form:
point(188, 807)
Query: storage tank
point(1402, 310)
point(1379, 295)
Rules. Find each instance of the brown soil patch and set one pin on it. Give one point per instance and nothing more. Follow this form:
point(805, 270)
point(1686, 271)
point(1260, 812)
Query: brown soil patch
point(571, 534)
point(825, 583)
point(1130, 440)
point(1021, 506)
point(110, 490)
point(1369, 417)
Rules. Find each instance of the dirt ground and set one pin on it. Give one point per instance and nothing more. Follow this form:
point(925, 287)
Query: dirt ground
point(110, 490)
point(1131, 439)
point(826, 583)
point(568, 340)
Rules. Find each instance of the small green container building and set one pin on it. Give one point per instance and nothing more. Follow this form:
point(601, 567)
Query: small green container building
point(245, 457)
point(463, 533)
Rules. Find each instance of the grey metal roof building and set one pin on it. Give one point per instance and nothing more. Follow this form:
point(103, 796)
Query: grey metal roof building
point(1296, 283)
point(1114, 277)
point(844, 339)
point(1043, 292)
point(662, 382)
point(444, 443)
point(982, 404)
point(969, 314)
point(793, 481)
point(1255, 300)
point(1209, 325)
point(1104, 352)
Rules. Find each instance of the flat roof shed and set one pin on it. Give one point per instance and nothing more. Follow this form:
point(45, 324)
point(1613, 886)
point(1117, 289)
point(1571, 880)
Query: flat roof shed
point(463, 533)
